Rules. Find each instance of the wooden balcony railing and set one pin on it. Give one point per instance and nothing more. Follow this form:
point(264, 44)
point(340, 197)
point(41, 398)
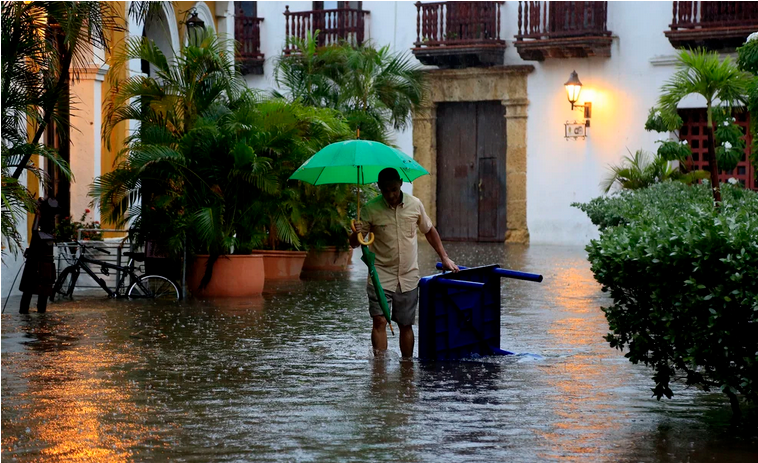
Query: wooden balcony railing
point(334, 26)
point(700, 15)
point(549, 20)
point(562, 30)
point(714, 25)
point(247, 31)
point(457, 23)
point(455, 33)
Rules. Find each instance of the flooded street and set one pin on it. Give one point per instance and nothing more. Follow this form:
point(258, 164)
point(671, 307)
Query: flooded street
point(291, 377)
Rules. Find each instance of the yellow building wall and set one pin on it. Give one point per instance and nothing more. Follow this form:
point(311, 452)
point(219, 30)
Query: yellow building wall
point(110, 147)
point(33, 186)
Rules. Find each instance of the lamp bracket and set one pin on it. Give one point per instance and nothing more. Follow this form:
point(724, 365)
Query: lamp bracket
point(587, 107)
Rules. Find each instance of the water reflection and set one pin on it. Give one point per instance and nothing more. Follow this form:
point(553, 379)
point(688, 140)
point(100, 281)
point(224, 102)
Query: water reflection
point(61, 392)
point(290, 376)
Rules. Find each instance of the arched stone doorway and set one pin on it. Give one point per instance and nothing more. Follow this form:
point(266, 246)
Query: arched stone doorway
point(506, 84)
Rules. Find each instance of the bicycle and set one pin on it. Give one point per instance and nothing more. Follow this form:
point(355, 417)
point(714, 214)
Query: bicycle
point(145, 286)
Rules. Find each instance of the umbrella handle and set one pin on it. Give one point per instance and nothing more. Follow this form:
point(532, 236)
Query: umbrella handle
point(360, 238)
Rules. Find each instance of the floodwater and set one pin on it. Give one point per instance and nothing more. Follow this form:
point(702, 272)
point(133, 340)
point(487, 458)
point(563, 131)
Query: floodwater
point(291, 377)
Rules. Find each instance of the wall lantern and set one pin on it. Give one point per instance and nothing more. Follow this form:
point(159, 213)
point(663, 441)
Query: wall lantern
point(573, 90)
point(194, 27)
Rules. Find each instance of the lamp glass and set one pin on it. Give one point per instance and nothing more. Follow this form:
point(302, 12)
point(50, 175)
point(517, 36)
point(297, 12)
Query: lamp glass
point(194, 26)
point(573, 92)
point(573, 88)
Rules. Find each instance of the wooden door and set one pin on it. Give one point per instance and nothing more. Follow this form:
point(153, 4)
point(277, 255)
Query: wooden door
point(471, 144)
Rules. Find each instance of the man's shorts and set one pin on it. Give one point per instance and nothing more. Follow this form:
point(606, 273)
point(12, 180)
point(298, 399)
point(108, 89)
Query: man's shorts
point(402, 305)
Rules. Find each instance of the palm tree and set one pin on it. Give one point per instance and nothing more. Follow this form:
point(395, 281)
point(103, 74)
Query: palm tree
point(747, 60)
point(374, 89)
point(43, 44)
point(721, 83)
point(308, 75)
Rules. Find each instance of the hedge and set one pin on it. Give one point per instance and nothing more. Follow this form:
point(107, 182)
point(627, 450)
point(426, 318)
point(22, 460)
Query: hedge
point(683, 276)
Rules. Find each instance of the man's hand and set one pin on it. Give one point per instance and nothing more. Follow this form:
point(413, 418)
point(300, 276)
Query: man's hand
point(360, 230)
point(361, 227)
point(448, 264)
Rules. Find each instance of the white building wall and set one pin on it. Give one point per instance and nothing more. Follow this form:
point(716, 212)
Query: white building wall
point(621, 88)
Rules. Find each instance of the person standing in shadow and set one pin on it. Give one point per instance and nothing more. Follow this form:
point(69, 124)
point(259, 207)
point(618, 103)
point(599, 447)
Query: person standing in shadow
point(39, 270)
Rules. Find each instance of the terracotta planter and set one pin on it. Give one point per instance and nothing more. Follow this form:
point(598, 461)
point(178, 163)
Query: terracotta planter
point(327, 259)
point(282, 265)
point(233, 276)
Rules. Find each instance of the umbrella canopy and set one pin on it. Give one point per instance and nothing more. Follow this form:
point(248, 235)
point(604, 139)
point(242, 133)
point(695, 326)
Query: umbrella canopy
point(356, 161)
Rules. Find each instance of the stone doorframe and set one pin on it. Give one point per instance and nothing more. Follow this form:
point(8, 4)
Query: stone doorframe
point(508, 84)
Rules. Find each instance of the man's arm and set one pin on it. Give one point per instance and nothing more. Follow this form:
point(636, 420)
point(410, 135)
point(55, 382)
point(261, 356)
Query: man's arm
point(434, 239)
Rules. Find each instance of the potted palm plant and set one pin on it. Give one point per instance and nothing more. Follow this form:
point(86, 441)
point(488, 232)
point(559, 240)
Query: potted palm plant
point(329, 222)
point(296, 133)
point(202, 171)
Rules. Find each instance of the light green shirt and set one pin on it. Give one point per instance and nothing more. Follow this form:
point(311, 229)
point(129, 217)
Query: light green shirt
point(395, 242)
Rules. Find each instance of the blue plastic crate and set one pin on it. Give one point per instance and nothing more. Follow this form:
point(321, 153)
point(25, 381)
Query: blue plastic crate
point(456, 321)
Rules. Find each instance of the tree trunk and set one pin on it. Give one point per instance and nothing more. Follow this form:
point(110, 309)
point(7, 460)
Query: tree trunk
point(714, 166)
point(712, 162)
point(272, 237)
point(51, 100)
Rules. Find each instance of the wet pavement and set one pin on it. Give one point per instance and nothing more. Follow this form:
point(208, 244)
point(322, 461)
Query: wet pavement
point(291, 377)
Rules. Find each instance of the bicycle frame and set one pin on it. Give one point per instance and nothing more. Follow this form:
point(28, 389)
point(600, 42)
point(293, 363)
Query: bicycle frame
point(142, 283)
point(128, 271)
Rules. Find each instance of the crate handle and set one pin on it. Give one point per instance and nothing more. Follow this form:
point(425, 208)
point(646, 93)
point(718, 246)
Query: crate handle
point(518, 275)
point(460, 284)
point(440, 267)
point(506, 273)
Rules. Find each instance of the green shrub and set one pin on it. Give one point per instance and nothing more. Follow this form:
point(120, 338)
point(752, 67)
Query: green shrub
point(684, 281)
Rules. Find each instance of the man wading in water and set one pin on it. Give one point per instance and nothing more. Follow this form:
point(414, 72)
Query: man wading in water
point(393, 218)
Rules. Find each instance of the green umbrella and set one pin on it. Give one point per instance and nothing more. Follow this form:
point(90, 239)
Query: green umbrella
point(359, 161)
point(356, 161)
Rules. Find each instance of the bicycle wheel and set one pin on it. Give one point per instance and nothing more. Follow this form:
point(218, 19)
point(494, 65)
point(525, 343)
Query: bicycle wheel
point(67, 279)
point(154, 287)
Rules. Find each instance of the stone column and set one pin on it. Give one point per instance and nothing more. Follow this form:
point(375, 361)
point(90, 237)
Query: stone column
point(515, 170)
point(225, 18)
point(86, 130)
point(425, 153)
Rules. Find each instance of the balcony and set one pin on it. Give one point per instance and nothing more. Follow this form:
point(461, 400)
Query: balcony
point(247, 31)
point(562, 30)
point(718, 26)
point(335, 26)
point(459, 34)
